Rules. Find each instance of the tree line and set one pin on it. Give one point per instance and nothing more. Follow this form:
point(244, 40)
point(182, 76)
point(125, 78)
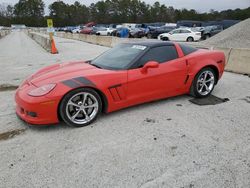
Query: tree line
point(32, 13)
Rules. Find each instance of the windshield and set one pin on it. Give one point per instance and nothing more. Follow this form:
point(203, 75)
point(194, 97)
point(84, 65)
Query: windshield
point(119, 57)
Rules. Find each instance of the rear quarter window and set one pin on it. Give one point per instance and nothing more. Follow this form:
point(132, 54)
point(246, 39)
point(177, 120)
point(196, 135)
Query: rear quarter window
point(187, 49)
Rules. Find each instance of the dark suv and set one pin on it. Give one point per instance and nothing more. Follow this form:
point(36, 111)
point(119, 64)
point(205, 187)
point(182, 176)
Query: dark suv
point(154, 32)
point(210, 31)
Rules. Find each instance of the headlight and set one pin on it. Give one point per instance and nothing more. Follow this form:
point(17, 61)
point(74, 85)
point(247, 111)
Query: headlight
point(43, 90)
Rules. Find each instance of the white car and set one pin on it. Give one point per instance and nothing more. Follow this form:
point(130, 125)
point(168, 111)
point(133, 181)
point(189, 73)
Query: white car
point(181, 35)
point(77, 30)
point(105, 31)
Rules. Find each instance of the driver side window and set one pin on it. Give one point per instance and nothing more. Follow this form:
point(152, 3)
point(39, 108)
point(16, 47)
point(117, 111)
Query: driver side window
point(160, 54)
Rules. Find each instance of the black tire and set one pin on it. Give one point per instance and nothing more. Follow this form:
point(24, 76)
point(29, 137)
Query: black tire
point(149, 36)
point(63, 108)
point(165, 39)
point(207, 36)
point(190, 39)
point(194, 91)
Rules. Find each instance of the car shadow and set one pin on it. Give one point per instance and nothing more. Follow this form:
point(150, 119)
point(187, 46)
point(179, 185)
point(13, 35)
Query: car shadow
point(158, 103)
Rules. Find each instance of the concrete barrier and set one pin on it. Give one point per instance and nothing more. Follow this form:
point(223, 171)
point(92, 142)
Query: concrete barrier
point(3, 33)
point(238, 60)
point(41, 39)
point(226, 51)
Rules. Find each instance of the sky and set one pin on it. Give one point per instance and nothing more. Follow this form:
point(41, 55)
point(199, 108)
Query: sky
point(199, 5)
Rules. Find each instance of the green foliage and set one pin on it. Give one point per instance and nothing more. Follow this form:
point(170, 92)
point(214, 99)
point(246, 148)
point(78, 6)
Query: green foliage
point(29, 8)
point(64, 14)
point(31, 13)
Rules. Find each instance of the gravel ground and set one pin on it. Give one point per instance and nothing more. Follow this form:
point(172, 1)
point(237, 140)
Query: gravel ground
point(169, 143)
point(237, 36)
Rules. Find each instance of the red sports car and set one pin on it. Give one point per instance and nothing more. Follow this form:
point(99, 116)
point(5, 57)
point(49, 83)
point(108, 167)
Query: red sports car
point(126, 75)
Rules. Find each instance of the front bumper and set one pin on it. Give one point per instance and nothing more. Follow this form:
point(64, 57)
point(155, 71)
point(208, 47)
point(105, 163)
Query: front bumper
point(35, 110)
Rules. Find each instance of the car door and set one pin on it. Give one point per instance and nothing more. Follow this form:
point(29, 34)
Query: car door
point(156, 83)
point(184, 34)
point(105, 31)
point(174, 35)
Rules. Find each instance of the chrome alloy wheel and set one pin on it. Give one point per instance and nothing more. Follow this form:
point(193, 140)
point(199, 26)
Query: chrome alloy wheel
point(82, 108)
point(205, 83)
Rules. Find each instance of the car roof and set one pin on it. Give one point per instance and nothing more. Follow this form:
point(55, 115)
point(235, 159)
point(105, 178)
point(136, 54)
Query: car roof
point(152, 43)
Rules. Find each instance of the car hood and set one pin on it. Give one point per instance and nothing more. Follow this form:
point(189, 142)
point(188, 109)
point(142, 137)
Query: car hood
point(59, 72)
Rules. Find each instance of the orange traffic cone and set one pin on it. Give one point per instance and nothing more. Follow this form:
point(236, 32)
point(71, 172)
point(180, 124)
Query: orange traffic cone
point(53, 47)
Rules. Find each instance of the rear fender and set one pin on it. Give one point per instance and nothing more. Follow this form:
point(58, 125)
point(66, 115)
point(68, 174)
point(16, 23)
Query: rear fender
point(195, 67)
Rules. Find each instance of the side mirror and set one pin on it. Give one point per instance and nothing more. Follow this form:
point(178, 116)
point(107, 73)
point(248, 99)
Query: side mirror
point(150, 64)
point(171, 33)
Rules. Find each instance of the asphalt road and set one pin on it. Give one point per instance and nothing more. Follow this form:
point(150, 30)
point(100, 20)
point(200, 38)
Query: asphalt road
point(21, 56)
point(169, 143)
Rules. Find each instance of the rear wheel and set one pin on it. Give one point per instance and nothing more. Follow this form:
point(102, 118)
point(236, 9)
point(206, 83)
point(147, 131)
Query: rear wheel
point(203, 83)
point(80, 107)
point(190, 39)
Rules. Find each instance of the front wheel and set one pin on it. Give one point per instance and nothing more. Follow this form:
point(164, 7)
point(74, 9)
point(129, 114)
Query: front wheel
point(165, 39)
point(149, 36)
point(80, 107)
point(203, 83)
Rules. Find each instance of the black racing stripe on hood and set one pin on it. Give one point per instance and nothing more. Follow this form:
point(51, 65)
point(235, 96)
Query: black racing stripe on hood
point(84, 81)
point(71, 83)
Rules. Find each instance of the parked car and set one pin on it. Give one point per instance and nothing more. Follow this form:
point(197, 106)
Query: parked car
point(126, 75)
point(210, 31)
point(155, 32)
point(122, 32)
point(136, 33)
point(69, 29)
point(189, 23)
point(77, 30)
point(90, 24)
point(59, 29)
point(86, 30)
point(224, 23)
point(94, 30)
point(104, 31)
point(181, 34)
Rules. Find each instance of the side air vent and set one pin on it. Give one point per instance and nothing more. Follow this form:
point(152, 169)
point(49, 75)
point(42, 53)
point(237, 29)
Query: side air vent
point(117, 92)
